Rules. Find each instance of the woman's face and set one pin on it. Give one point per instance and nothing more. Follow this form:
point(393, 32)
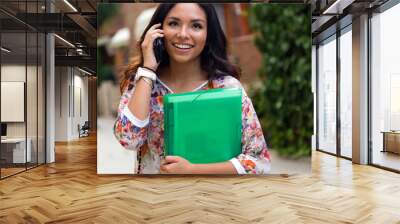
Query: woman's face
point(185, 32)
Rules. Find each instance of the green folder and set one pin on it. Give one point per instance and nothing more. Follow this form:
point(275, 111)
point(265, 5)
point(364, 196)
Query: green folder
point(204, 126)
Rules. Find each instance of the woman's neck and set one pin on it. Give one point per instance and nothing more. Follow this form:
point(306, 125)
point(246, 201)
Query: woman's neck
point(185, 72)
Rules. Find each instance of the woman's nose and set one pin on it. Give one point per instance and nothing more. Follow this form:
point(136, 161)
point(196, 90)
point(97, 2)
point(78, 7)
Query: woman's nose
point(183, 32)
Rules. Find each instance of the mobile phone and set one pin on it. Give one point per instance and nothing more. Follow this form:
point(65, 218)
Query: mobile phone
point(158, 48)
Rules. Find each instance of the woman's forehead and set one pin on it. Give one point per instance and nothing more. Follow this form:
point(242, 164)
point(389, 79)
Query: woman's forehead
point(187, 11)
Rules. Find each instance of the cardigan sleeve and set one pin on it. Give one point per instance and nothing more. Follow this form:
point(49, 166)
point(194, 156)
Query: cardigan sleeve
point(255, 157)
point(130, 131)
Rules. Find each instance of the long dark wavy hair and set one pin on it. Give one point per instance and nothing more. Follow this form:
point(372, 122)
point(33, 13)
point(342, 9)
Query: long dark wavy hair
point(213, 58)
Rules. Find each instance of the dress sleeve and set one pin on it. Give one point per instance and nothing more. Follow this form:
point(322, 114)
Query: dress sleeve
point(130, 131)
point(255, 157)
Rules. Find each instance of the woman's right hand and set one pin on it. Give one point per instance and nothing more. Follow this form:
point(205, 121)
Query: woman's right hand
point(149, 60)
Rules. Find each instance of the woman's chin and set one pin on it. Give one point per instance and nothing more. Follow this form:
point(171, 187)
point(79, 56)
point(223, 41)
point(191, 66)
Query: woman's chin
point(182, 59)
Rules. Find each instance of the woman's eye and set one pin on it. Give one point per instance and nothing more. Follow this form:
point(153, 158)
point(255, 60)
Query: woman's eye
point(197, 26)
point(172, 23)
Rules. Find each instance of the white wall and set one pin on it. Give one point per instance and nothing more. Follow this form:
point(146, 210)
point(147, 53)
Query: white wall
point(14, 73)
point(71, 93)
point(80, 93)
point(12, 101)
point(61, 103)
point(17, 73)
point(33, 127)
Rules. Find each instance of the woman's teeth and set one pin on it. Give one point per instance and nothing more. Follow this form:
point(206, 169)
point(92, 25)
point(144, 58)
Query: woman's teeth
point(183, 46)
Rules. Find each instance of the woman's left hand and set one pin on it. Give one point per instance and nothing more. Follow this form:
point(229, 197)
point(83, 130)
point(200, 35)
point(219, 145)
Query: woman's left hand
point(176, 165)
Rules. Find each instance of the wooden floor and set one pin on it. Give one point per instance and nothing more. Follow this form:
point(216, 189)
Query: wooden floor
point(387, 159)
point(10, 171)
point(70, 191)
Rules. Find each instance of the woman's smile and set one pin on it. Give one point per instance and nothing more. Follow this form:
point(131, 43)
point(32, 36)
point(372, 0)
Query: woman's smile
point(182, 48)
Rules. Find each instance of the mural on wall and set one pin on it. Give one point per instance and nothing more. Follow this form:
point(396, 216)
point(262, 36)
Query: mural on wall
point(117, 42)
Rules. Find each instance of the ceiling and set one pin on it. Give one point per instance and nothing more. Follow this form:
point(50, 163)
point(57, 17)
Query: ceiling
point(73, 20)
point(329, 15)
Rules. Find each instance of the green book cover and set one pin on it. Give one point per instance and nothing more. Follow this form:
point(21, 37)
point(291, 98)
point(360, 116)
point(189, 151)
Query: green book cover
point(203, 126)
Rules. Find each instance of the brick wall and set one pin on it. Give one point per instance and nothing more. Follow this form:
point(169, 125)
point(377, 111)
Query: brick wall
point(243, 51)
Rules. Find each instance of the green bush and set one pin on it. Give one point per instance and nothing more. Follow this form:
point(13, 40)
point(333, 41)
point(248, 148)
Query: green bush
point(285, 103)
point(105, 12)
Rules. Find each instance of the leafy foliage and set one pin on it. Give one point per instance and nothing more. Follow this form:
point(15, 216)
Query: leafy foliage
point(104, 69)
point(105, 11)
point(285, 103)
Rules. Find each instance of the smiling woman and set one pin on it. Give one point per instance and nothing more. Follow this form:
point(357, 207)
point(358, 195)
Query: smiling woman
point(185, 35)
point(183, 49)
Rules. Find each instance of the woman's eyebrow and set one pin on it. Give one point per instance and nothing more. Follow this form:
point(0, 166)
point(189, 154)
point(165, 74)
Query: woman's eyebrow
point(198, 20)
point(193, 20)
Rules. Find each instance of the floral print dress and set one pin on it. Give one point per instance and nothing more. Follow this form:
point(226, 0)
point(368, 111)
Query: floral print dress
point(147, 136)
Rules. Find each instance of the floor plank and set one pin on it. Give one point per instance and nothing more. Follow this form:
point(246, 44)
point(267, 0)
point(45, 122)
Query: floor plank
point(70, 191)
